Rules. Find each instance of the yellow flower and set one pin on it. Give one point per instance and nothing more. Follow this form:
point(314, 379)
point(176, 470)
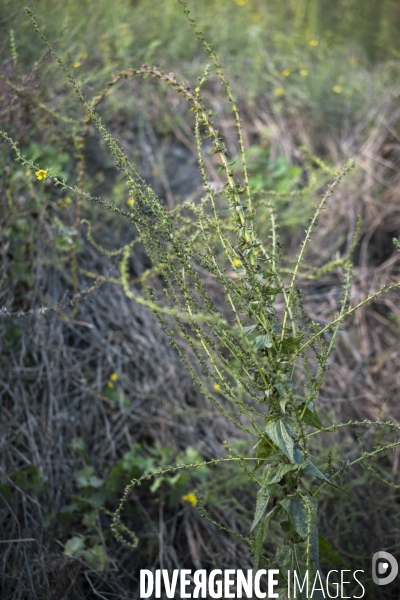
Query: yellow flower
point(64, 203)
point(236, 262)
point(240, 2)
point(85, 56)
point(286, 72)
point(110, 384)
point(337, 89)
point(303, 72)
point(256, 16)
point(41, 174)
point(114, 377)
point(217, 387)
point(279, 91)
point(191, 498)
point(77, 64)
point(313, 43)
point(130, 202)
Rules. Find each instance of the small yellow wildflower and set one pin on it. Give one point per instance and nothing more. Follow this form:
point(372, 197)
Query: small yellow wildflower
point(286, 72)
point(240, 2)
point(41, 174)
point(110, 384)
point(279, 91)
point(313, 43)
point(303, 72)
point(256, 16)
point(130, 202)
point(64, 202)
point(191, 498)
point(236, 262)
point(77, 64)
point(217, 387)
point(114, 377)
point(337, 89)
point(85, 56)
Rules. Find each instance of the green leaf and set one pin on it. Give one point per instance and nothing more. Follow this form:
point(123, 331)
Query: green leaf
point(293, 506)
point(311, 469)
point(29, 479)
point(285, 387)
point(264, 449)
point(263, 496)
point(283, 402)
point(75, 546)
point(259, 544)
point(262, 341)
point(291, 558)
point(281, 433)
point(249, 328)
point(262, 534)
point(285, 525)
point(310, 416)
point(95, 482)
point(274, 473)
point(326, 552)
point(95, 557)
point(5, 492)
point(89, 518)
point(270, 290)
point(85, 478)
point(291, 343)
point(98, 496)
point(77, 505)
point(156, 483)
point(302, 511)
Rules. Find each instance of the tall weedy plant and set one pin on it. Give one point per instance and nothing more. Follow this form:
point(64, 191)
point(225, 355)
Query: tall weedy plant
point(266, 366)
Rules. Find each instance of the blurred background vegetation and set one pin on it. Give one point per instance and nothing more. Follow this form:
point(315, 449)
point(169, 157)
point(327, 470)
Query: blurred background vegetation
point(92, 395)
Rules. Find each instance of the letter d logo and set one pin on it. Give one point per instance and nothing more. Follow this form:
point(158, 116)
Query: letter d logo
point(384, 568)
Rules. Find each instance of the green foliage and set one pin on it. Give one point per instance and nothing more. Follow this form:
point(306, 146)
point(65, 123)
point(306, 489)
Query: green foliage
point(5, 492)
point(94, 556)
point(251, 358)
point(45, 155)
point(30, 480)
point(100, 495)
point(277, 175)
